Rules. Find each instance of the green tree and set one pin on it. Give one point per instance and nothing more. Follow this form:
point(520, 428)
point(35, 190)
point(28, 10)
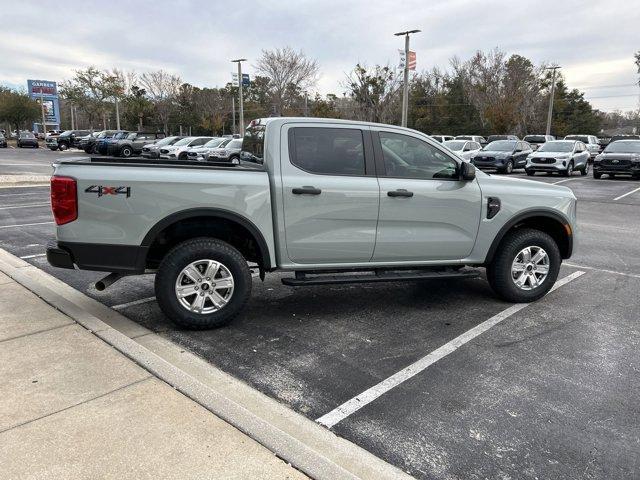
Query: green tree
point(17, 108)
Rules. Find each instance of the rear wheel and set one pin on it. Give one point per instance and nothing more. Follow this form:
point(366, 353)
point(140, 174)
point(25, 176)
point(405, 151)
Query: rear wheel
point(597, 175)
point(525, 267)
point(203, 283)
point(62, 147)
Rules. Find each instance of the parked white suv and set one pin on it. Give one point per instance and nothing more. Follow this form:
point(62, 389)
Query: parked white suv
point(474, 138)
point(591, 141)
point(178, 151)
point(463, 148)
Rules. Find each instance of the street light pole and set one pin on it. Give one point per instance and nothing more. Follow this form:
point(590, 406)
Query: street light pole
point(405, 88)
point(239, 62)
point(553, 91)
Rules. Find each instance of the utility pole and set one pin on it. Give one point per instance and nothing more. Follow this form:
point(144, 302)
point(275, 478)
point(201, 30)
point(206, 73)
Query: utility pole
point(239, 62)
point(553, 91)
point(233, 113)
point(44, 122)
point(405, 88)
point(117, 114)
point(72, 119)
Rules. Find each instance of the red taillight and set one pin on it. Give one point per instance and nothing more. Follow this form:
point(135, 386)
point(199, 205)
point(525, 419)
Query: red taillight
point(64, 199)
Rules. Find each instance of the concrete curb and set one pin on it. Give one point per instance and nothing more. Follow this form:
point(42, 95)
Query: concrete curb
point(307, 446)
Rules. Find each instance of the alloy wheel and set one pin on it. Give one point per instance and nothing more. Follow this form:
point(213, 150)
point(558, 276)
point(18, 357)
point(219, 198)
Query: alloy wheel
point(530, 268)
point(204, 286)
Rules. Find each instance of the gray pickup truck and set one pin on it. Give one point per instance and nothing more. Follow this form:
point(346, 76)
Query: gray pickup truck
point(330, 201)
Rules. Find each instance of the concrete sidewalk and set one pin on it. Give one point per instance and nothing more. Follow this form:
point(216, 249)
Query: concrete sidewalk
point(72, 406)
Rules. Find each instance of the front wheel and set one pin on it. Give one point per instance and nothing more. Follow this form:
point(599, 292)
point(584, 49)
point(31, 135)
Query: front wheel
point(203, 283)
point(597, 175)
point(531, 173)
point(508, 168)
point(126, 152)
point(585, 169)
point(62, 147)
point(525, 266)
point(569, 171)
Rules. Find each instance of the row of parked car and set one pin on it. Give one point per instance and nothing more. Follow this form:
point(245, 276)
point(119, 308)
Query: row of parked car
point(504, 153)
point(152, 145)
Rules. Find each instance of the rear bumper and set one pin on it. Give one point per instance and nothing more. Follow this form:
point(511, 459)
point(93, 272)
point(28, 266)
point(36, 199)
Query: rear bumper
point(97, 256)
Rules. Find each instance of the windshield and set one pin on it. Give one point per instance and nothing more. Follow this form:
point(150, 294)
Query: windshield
point(624, 146)
point(557, 146)
point(493, 138)
point(582, 138)
point(253, 144)
point(120, 135)
point(501, 146)
point(535, 138)
point(166, 141)
point(464, 137)
point(131, 136)
point(455, 145)
point(214, 143)
point(184, 141)
point(27, 135)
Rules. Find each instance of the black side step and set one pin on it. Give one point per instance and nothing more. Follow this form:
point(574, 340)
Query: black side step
point(301, 278)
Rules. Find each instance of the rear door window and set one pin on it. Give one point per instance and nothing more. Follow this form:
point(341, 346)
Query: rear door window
point(327, 151)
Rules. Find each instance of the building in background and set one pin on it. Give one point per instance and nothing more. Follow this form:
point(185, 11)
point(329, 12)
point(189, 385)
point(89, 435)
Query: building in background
point(46, 92)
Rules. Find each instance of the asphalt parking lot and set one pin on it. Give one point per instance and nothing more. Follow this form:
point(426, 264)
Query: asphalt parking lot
point(548, 390)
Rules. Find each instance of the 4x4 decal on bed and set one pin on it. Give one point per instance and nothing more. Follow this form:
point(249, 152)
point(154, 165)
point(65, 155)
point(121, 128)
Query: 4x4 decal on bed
point(102, 190)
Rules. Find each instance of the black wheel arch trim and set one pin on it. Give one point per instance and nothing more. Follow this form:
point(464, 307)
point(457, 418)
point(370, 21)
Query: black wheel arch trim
point(523, 216)
point(214, 213)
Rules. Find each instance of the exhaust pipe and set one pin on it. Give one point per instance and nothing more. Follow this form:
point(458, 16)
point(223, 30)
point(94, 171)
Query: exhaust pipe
point(108, 281)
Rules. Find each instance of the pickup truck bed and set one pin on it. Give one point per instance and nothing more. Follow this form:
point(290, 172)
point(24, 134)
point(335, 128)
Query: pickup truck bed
point(145, 196)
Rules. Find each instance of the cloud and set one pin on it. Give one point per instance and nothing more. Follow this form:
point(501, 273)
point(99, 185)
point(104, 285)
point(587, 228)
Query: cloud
point(197, 38)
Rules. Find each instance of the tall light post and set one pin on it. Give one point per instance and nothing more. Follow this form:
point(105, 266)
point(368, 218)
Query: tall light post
point(405, 88)
point(239, 62)
point(553, 91)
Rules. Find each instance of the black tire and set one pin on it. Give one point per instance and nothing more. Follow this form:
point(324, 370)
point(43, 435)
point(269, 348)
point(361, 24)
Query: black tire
point(508, 168)
point(234, 159)
point(597, 175)
point(612, 175)
point(62, 147)
point(585, 170)
point(53, 149)
point(190, 251)
point(499, 270)
point(126, 151)
point(531, 173)
point(183, 156)
point(569, 171)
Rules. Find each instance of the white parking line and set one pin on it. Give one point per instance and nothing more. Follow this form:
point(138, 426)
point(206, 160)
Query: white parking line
point(26, 206)
point(368, 396)
point(25, 225)
point(136, 302)
point(25, 257)
point(565, 180)
point(632, 275)
point(628, 193)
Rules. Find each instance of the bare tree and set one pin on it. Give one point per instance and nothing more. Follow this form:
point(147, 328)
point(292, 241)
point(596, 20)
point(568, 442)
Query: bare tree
point(163, 89)
point(289, 72)
point(374, 93)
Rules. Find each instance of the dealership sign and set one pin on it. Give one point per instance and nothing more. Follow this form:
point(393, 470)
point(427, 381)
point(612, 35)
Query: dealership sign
point(46, 92)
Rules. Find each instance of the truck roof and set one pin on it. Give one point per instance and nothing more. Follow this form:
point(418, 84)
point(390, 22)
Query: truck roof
point(282, 120)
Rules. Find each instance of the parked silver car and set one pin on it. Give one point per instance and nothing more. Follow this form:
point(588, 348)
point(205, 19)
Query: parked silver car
point(536, 141)
point(560, 156)
point(178, 151)
point(229, 153)
point(466, 149)
point(200, 154)
point(152, 150)
point(590, 141)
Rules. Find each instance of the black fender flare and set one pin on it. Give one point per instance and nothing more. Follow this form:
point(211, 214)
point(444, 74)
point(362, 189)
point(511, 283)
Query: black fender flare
point(524, 216)
point(213, 213)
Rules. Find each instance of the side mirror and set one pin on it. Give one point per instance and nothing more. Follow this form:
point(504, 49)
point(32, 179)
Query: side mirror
point(467, 171)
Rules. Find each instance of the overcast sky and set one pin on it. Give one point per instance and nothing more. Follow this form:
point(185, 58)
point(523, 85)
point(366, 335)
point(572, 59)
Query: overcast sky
point(593, 41)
